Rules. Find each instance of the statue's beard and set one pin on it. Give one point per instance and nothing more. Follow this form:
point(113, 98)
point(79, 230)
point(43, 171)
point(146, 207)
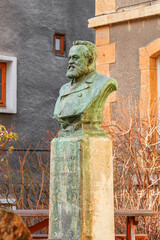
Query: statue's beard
point(76, 72)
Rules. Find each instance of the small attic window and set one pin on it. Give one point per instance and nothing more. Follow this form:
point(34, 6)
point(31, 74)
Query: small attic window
point(59, 44)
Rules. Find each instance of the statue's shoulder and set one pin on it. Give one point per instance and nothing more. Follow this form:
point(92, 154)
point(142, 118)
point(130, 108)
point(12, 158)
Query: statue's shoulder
point(64, 88)
point(104, 81)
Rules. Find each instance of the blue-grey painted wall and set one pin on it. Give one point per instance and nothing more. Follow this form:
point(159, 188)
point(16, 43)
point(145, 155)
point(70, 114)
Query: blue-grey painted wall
point(26, 32)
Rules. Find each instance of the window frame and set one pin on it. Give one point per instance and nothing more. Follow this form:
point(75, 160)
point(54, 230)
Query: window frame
point(147, 63)
point(3, 84)
point(61, 36)
point(11, 84)
point(158, 86)
point(158, 77)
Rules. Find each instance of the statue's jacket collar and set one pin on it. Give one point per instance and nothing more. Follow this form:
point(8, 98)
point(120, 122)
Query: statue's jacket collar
point(84, 83)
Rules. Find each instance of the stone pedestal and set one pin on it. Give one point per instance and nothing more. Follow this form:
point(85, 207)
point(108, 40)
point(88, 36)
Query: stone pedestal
point(81, 189)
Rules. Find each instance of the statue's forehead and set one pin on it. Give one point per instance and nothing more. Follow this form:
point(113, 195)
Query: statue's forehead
point(77, 50)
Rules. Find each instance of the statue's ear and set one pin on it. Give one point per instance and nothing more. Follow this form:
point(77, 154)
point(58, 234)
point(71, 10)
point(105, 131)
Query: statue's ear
point(90, 61)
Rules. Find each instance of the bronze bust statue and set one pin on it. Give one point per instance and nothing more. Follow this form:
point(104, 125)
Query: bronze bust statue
point(80, 102)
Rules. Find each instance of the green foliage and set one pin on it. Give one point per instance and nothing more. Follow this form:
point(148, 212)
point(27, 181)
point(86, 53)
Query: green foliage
point(6, 137)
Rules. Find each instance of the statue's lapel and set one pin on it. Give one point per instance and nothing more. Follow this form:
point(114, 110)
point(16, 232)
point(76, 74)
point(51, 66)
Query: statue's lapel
point(80, 86)
point(71, 89)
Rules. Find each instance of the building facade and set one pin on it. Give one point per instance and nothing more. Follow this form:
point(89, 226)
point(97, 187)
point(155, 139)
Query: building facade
point(35, 37)
point(128, 41)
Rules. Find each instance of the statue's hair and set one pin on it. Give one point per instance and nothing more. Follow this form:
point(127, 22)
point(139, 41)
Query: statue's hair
point(91, 53)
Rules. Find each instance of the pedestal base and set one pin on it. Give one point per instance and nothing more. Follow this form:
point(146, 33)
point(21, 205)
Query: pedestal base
point(81, 189)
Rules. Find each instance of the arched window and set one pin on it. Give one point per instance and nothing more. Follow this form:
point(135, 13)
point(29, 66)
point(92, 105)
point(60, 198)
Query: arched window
point(158, 85)
point(148, 65)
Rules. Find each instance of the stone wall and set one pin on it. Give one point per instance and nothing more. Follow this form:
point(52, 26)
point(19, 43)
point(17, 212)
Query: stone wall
point(124, 3)
point(124, 30)
point(26, 32)
point(129, 38)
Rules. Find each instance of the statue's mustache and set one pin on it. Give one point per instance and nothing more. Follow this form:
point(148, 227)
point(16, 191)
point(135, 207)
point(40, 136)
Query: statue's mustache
point(70, 66)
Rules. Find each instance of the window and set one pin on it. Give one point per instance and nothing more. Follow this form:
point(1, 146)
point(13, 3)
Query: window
point(59, 44)
point(148, 56)
point(8, 84)
point(2, 84)
point(158, 86)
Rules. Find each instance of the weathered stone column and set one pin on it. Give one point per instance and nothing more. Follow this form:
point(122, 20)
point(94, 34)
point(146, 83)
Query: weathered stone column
point(81, 172)
point(81, 189)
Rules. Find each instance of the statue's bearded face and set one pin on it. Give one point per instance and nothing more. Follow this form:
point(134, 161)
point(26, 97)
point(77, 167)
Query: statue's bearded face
point(78, 63)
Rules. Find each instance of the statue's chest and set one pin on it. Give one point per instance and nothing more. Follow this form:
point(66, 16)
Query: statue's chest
point(74, 103)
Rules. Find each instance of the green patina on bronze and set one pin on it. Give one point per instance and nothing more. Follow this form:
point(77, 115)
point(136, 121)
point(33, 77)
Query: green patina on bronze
point(65, 189)
point(79, 107)
point(79, 110)
point(70, 194)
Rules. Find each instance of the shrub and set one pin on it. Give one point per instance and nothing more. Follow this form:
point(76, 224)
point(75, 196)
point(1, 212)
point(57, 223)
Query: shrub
point(136, 162)
point(24, 176)
point(6, 137)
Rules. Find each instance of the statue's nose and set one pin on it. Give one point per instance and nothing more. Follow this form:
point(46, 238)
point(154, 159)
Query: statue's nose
point(71, 60)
